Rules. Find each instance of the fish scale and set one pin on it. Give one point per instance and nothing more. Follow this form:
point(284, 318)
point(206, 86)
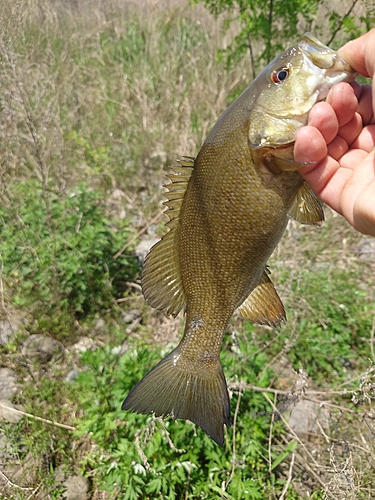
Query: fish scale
point(228, 209)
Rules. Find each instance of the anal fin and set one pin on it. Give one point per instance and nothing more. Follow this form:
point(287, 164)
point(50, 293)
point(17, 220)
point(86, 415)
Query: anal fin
point(263, 305)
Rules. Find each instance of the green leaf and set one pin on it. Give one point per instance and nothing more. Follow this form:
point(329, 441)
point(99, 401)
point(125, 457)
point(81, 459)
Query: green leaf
point(288, 449)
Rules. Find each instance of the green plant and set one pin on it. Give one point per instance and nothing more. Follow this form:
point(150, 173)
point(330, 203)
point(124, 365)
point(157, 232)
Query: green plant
point(57, 253)
point(139, 456)
point(269, 27)
point(331, 328)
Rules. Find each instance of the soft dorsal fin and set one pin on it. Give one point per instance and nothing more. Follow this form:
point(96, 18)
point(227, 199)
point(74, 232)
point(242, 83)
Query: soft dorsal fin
point(307, 208)
point(263, 305)
point(161, 277)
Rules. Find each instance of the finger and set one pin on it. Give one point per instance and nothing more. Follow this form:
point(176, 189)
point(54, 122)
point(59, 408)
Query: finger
point(357, 202)
point(323, 117)
point(337, 148)
point(320, 180)
point(352, 129)
point(358, 53)
point(352, 159)
point(344, 101)
point(366, 139)
point(364, 211)
point(365, 104)
point(310, 146)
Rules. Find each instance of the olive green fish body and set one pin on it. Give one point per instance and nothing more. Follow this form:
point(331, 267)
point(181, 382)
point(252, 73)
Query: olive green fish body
point(228, 209)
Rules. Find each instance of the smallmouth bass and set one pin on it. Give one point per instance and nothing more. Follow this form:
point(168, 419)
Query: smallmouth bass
point(228, 209)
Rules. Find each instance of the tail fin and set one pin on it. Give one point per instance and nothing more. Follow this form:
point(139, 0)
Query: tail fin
point(174, 387)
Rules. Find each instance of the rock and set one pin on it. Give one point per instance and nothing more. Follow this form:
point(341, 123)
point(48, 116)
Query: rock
point(72, 376)
point(120, 349)
point(8, 383)
point(6, 331)
point(115, 204)
point(40, 348)
point(142, 249)
point(366, 249)
point(304, 415)
point(83, 345)
point(27, 472)
point(159, 157)
point(60, 474)
point(77, 488)
point(7, 414)
point(130, 316)
point(101, 326)
point(9, 324)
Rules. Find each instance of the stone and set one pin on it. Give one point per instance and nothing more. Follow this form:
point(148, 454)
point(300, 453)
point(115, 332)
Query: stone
point(83, 345)
point(366, 249)
point(100, 326)
point(130, 316)
point(304, 415)
point(72, 376)
point(142, 249)
point(41, 347)
point(5, 448)
point(120, 349)
point(6, 331)
point(6, 412)
point(77, 488)
point(60, 474)
point(8, 383)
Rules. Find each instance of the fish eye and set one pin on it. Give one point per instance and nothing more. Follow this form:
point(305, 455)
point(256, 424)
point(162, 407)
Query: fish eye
point(279, 75)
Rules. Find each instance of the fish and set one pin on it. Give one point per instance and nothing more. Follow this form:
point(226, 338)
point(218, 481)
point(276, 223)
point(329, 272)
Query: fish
point(228, 207)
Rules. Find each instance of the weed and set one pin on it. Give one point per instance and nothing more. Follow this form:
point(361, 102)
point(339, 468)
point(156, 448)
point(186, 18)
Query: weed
point(57, 254)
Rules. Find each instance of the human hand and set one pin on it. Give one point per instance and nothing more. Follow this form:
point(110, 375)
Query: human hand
point(340, 139)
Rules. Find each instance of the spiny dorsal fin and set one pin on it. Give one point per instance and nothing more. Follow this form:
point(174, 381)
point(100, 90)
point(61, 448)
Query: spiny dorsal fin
point(263, 305)
point(161, 277)
point(307, 208)
point(176, 189)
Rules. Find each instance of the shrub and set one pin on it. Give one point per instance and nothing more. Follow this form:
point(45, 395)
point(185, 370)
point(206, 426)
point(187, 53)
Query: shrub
point(57, 253)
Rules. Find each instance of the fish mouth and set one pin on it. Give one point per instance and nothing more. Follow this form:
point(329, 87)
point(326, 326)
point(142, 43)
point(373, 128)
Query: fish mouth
point(322, 56)
point(327, 62)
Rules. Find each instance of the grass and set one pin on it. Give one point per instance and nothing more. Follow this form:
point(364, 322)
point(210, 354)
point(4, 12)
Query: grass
point(95, 104)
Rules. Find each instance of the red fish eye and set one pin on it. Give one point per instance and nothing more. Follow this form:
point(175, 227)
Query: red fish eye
point(279, 75)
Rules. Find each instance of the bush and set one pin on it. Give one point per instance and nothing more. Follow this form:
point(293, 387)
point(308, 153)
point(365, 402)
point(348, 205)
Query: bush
point(57, 253)
point(139, 457)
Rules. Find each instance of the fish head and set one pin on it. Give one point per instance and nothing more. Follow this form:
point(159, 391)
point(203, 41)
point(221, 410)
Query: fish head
point(287, 89)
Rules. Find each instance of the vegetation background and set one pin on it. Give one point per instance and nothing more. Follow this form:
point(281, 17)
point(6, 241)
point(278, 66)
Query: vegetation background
point(97, 99)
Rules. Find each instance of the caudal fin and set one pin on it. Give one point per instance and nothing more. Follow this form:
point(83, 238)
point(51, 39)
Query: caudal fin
point(175, 388)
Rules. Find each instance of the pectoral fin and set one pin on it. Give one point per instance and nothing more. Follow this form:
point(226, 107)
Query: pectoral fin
point(307, 208)
point(263, 305)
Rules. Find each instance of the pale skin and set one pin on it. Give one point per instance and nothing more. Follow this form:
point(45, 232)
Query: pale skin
point(339, 140)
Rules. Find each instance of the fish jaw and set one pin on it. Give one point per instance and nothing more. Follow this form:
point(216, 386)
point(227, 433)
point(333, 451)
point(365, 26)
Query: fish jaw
point(326, 65)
